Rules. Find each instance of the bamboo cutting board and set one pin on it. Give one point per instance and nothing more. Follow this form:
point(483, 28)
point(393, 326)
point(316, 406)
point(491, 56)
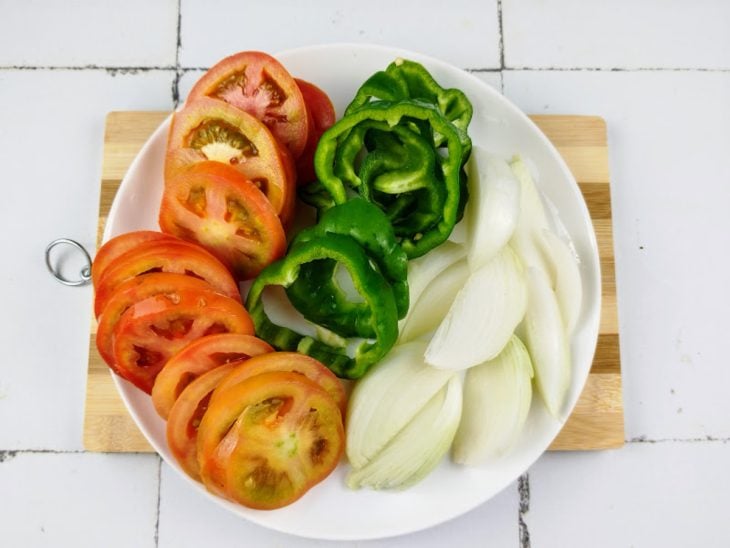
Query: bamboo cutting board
point(597, 421)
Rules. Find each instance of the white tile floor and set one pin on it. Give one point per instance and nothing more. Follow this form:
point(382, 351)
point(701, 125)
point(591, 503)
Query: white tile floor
point(668, 109)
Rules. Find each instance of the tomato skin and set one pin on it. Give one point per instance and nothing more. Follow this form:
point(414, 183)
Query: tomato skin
point(295, 363)
point(267, 440)
point(215, 206)
point(118, 246)
point(134, 290)
point(176, 256)
point(154, 329)
point(196, 359)
point(322, 115)
point(257, 83)
point(260, 159)
point(185, 416)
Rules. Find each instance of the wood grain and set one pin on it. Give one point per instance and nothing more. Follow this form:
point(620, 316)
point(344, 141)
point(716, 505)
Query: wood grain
point(597, 422)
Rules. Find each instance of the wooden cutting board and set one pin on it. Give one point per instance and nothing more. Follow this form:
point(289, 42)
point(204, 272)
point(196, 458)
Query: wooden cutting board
point(597, 421)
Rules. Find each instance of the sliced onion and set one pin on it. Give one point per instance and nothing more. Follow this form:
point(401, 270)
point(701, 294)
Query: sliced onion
point(458, 235)
point(531, 222)
point(387, 398)
point(497, 398)
point(483, 317)
point(568, 285)
point(423, 270)
point(493, 208)
point(547, 342)
point(416, 449)
point(425, 315)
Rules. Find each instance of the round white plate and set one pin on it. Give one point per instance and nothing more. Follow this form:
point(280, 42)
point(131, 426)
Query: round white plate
point(330, 510)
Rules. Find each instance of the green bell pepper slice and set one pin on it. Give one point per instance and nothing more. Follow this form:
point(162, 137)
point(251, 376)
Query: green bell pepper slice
point(404, 79)
point(371, 229)
point(369, 283)
point(448, 161)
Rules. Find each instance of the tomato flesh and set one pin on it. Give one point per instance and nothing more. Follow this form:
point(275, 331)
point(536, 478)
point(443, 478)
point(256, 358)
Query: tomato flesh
point(208, 129)
point(215, 206)
point(198, 358)
point(152, 330)
point(267, 440)
point(118, 246)
point(185, 416)
point(176, 256)
point(132, 291)
point(257, 83)
point(321, 114)
point(295, 363)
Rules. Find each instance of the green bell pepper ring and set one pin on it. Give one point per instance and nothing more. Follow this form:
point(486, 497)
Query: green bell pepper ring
point(371, 229)
point(400, 175)
point(447, 167)
point(374, 289)
point(404, 79)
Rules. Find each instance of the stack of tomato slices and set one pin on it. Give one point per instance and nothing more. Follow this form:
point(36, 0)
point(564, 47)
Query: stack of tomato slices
point(236, 151)
point(255, 426)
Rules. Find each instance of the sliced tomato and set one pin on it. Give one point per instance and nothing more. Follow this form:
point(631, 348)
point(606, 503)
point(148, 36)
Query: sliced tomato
point(209, 129)
point(267, 440)
point(153, 330)
point(176, 256)
point(321, 114)
point(118, 246)
point(185, 416)
point(134, 290)
point(213, 205)
point(294, 362)
point(257, 83)
point(198, 358)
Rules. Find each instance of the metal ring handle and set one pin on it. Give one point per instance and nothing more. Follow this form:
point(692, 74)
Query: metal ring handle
point(85, 272)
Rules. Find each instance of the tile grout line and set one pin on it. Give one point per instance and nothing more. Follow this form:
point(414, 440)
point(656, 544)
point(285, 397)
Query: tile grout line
point(8, 454)
point(500, 21)
point(705, 439)
point(178, 68)
point(617, 69)
point(159, 497)
point(523, 488)
point(123, 69)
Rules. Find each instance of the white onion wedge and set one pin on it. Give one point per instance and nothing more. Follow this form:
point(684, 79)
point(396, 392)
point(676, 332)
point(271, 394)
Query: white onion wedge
point(493, 208)
point(423, 270)
point(483, 317)
point(497, 398)
point(387, 398)
point(426, 314)
point(418, 448)
point(547, 342)
point(531, 222)
point(568, 285)
point(458, 235)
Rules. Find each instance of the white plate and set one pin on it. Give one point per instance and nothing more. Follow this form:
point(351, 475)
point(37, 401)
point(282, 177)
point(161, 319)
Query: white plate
point(330, 510)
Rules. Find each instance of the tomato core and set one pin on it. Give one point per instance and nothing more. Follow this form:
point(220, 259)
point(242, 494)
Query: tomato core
point(221, 141)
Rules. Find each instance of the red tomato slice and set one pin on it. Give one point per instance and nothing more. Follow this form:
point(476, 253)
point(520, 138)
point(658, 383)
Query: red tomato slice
point(321, 114)
point(209, 129)
point(267, 440)
point(294, 362)
point(213, 205)
point(118, 246)
point(176, 256)
point(258, 84)
point(134, 290)
point(185, 416)
point(153, 330)
point(198, 358)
